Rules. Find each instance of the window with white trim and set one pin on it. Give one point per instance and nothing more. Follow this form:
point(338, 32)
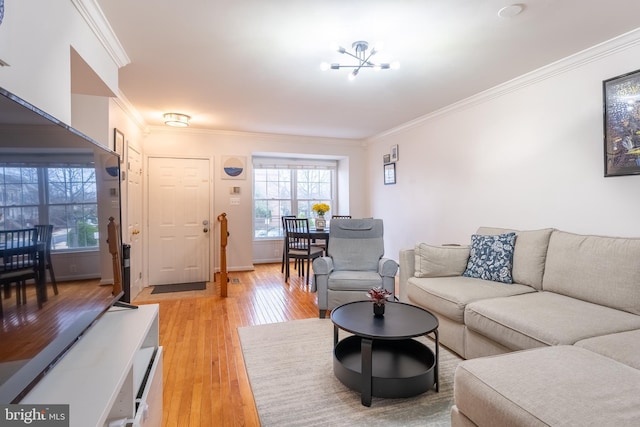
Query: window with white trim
point(284, 186)
point(63, 195)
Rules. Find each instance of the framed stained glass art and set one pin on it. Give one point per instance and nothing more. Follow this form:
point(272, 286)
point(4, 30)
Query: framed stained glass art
point(621, 97)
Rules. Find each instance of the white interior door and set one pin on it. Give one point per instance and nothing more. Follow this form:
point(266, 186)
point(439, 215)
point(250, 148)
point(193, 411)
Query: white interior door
point(134, 218)
point(179, 221)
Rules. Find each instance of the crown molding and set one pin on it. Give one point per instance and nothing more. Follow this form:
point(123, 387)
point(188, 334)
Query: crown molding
point(126, 106)
point(572, 62)
point(263, 136)
point(92, 14)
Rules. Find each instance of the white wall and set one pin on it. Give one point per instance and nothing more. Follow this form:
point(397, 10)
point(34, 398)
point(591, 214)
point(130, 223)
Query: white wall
point(241, 251)
point(526, 155)
point(36, 37)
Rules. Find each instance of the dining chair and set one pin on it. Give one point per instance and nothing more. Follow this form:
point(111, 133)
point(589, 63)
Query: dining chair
point(45, 238)
point(19, 254)
point(284, 240)
point(298, 245)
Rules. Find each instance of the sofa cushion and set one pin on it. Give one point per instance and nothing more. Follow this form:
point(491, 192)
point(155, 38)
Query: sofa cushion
point(601, 270)
point(440, 261)
point(449, 295)
point(544, 318)
point(552, 386)
point(623, 347)
point(529, 254)
point(491, 257)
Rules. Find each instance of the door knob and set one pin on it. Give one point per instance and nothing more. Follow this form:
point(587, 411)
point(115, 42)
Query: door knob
point(205, 229)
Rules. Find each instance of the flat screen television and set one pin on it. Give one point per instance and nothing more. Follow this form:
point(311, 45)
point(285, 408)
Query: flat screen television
point(52, 173)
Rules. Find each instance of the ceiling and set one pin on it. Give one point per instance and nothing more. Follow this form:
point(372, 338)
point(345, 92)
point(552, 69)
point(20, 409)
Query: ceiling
point(253, 65)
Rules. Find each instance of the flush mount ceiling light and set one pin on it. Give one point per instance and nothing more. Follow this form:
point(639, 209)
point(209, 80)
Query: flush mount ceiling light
point(362, 56)
point(176, 119)
point(511, 11)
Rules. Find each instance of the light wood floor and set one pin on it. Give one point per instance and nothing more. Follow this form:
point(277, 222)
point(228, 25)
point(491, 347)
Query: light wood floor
point(205, 381)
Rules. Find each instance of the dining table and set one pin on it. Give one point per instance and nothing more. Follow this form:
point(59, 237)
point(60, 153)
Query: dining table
point(322, 234)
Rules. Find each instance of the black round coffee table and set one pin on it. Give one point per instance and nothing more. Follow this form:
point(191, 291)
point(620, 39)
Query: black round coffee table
point(381, 359)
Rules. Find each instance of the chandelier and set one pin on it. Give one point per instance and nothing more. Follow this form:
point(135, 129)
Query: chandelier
point(362, 57)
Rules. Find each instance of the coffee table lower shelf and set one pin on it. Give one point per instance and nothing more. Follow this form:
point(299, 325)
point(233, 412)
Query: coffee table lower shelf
point(400, 368)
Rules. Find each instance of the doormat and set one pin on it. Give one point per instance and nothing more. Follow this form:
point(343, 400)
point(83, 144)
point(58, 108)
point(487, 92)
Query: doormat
point(179, 287)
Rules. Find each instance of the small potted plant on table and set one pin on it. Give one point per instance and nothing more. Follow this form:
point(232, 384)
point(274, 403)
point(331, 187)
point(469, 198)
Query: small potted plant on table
point(379, 297)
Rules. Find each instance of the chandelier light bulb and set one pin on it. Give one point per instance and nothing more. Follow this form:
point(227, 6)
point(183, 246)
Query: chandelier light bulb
point(324, 66)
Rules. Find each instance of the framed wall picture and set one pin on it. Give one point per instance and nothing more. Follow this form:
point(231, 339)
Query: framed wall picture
point(389, 173)
point(394, 153)
point(118, 143)
point(621, 97)
point(386, 158)
point(234, 167)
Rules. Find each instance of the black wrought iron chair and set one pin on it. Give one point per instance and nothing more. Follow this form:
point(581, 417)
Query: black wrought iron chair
point(298, 245)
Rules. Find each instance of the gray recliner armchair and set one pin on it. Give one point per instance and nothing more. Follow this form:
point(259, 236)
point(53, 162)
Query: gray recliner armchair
point(354, 263)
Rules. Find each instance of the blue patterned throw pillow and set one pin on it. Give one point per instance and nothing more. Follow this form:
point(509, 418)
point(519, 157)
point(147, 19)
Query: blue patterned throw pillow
point(491, 257)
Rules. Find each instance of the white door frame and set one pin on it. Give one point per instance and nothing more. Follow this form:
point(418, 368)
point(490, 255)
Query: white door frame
point(133, 231)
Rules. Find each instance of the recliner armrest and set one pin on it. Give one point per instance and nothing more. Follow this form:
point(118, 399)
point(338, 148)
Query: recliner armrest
point(387, 267)
point(323, 265)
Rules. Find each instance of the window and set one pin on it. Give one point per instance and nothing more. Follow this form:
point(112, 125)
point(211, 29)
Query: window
point(289, 187)
point(64, 196)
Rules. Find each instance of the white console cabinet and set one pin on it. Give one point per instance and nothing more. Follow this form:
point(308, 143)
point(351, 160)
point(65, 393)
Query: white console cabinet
point(113, 375)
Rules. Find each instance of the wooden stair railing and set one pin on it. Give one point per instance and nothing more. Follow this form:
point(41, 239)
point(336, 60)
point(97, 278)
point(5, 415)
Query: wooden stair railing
point(114, 249)
point(224, 235)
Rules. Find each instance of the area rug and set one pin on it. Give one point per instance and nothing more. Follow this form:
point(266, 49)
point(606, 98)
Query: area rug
point(179, 287)
point(290, 368)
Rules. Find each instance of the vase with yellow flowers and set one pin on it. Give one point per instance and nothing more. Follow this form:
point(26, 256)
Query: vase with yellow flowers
point(320, 209)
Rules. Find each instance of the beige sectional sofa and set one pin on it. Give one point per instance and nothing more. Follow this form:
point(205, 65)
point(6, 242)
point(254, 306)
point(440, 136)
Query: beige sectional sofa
point(570, 321)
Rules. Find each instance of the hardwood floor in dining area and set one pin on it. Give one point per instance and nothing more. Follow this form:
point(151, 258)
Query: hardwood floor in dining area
point(205, 382)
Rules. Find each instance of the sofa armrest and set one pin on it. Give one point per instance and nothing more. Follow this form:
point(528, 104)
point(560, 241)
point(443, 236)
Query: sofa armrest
point(407, 270)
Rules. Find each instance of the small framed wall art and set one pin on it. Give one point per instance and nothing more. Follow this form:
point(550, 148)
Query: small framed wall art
point(389, 173)
point(394, 153)
point(386, 158)
point(233, 167)
point(622, 125)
